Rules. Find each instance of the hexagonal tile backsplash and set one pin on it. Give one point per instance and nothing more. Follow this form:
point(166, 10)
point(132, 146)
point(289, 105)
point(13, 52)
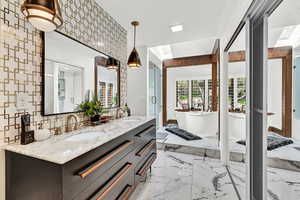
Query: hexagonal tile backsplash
point(21, 60)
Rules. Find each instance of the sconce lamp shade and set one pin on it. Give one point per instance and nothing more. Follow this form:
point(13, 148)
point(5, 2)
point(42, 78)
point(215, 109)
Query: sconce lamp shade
point(44, 15)
point(134, 60)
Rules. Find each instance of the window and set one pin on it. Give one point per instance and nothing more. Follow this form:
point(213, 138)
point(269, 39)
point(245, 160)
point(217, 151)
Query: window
point(237, 94)
point(110, 94)
point(241, 92)
point(101, 93)
point(182, 94)
point(209, 93)
point(231, 94)
point(198, 94)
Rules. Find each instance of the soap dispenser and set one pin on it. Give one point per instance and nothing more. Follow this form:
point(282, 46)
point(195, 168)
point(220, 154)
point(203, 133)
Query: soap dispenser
point(27, 135)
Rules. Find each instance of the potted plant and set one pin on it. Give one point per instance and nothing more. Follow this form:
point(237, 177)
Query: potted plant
point(92, 108)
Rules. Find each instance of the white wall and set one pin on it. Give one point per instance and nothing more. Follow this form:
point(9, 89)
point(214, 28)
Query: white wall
point(137, 85)
point(275, 92)
point(137, 82)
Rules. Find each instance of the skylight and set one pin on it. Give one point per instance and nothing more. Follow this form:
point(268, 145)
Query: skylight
point(177, 28)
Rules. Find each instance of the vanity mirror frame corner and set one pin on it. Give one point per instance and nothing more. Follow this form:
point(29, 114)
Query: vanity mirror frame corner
point(43, 92)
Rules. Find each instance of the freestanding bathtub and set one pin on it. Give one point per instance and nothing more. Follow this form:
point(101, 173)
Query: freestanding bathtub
point(198, 123)
point(237, 126)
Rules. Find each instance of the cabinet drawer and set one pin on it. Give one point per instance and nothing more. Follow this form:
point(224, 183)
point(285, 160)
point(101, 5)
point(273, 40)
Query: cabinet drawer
point(115, 186)
point(144, 164)
point(78, 174)
point(113, 181)
point(143, 128)
point(142, 138)
point(127, 192)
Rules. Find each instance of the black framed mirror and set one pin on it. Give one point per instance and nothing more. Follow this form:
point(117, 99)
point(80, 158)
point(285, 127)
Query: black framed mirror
point(72, 73)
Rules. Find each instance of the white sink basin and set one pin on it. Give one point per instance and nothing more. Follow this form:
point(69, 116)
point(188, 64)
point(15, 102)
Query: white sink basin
point(83, 136)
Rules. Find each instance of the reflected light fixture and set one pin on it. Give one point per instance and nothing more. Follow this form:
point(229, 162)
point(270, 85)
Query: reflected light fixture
point(134, 58)
point(112, 64)
point(44, 15)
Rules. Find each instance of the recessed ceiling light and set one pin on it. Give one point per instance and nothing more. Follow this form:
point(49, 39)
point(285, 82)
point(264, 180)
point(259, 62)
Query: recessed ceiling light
point(177, 28)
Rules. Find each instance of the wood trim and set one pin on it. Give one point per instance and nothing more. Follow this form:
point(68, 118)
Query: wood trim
point(284, 53)
point(147, 165)
point(116, 180)
point(273, 53)
point(89, 170)
point(287, 91)
point(188, 61)
point(214, 81)
point(146, 148)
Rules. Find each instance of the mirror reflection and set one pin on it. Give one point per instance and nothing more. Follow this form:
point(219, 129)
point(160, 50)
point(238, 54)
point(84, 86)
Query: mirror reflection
point(73, 73)
point(107, 84)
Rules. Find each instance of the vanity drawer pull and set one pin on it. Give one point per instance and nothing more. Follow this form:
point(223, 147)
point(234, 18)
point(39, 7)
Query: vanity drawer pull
point(84, 173)
point(147, 165)
point(115, 180)
point(146, 130)
point(126, 192)
point(146, 148)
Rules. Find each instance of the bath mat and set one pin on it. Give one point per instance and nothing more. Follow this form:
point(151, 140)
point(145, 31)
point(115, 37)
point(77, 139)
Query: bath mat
point(183, 134)
point(274, 142)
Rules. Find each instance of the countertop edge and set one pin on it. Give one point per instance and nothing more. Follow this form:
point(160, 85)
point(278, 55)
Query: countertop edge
point(17, 148)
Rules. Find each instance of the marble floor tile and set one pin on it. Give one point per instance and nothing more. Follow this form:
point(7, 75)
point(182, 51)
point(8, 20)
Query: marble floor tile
point(177, 176)
point(282, 184)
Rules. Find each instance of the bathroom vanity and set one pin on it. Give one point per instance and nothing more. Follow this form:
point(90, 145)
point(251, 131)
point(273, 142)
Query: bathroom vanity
point(103, 162)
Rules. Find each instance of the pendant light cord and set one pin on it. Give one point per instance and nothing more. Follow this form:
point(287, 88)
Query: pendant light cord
point(134, 36)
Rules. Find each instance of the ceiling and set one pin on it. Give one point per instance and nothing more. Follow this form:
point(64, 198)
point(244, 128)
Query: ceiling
point(200, 18)
point(185, 49)
point(286, 15)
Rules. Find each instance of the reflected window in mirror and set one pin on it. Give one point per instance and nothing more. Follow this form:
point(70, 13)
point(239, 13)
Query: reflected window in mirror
point(107, 83)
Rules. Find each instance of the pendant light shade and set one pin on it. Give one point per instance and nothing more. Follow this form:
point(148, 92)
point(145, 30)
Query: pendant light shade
point(44, 15)
point(134, 60)
point(112, 64)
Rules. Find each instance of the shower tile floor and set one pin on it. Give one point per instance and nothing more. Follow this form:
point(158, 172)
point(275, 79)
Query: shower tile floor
point(286, 157)
point(178, 176)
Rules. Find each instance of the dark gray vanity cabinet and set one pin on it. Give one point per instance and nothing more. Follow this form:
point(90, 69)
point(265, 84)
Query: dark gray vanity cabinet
point(111, 171)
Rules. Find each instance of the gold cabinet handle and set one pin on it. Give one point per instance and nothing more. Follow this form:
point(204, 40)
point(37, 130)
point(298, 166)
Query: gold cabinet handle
point(147, 165)
point(146, 148)
point(84, 173)
point(126, 192)
point(116, 179)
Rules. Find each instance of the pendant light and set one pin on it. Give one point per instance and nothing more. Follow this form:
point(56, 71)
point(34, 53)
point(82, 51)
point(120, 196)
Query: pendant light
point(44, 15)
point(134, 58)
point(112, 64)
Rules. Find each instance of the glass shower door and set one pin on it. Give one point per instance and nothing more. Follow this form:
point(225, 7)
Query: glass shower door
point(154, 92)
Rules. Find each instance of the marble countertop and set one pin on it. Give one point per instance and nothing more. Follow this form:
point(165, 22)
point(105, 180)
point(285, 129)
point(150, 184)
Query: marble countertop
point(63, 148)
